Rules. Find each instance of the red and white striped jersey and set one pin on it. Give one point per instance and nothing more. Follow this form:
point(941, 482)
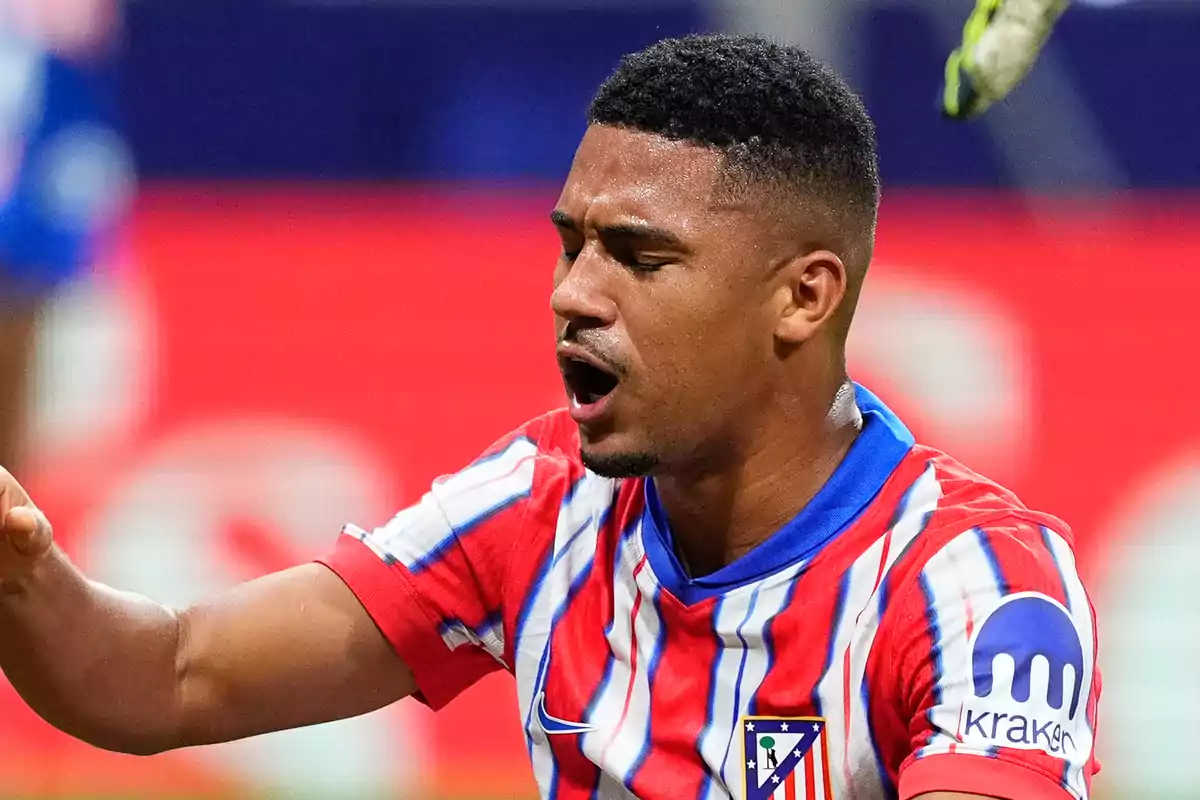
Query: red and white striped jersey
point(914, 629)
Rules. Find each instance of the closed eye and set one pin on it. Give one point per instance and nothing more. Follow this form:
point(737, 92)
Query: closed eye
point(641, 262)
point(642, 265)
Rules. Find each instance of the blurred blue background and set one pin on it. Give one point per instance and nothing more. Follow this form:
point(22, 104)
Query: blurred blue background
point(483, 91)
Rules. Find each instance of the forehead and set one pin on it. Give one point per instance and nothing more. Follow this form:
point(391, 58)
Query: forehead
point(619, 172)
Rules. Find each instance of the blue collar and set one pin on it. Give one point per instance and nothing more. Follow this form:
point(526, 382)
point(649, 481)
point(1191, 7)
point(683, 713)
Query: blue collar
point(880, 447)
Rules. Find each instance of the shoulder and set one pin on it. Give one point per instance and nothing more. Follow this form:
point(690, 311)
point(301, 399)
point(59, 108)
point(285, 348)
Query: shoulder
point(929, 501)
point(518, 472)
point(552, 438)
point(964, 503)
point(557, 438)
point(539, 463)
point(543, 448)
point(987, 577)
point(974, 539)
point(980, 546)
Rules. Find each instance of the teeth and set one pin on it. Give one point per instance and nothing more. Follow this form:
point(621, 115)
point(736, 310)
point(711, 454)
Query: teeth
point(581, 399)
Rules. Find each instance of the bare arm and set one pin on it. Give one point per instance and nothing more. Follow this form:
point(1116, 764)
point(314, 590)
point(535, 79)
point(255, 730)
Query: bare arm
point(125, 673)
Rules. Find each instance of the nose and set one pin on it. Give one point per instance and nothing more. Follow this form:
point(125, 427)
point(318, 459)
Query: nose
point(581, 293)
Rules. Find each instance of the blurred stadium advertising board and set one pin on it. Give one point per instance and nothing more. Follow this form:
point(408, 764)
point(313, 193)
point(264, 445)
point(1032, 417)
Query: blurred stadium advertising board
point(264, 365)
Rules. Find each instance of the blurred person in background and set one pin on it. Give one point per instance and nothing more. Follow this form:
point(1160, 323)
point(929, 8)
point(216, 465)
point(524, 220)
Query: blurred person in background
point(64, 172)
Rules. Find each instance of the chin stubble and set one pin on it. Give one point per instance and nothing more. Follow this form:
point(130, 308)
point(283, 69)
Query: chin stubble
point(620, 465)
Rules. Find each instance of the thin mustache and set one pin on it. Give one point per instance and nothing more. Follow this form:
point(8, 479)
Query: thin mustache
point(594, 342)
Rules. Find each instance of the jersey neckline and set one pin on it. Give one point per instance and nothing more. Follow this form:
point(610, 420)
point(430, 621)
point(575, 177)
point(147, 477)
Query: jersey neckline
point(880, 447)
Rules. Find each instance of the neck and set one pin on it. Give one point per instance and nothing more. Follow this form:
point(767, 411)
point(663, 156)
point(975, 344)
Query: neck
point(717, 516)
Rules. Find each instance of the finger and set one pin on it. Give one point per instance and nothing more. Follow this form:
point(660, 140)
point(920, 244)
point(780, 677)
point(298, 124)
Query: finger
point(28, 530)
point(960, 99)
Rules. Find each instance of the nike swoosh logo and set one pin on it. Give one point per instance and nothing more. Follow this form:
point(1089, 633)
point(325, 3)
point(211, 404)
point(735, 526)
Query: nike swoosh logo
point(554, 726)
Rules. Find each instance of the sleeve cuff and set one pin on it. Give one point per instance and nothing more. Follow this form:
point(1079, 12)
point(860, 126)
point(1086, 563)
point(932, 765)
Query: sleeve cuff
point(977, 774)
point(389, 597)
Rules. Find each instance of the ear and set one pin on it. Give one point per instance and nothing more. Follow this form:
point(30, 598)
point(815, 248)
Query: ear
point(810, 292)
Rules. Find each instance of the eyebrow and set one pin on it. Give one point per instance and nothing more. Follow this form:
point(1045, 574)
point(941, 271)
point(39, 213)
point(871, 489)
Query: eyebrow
point(635, 231)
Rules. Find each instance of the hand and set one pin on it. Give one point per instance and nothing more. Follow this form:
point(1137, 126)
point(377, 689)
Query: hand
point(1001, 42)
point(25, 531)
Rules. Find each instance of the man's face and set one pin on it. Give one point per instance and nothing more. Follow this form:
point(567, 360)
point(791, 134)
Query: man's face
point(662, 301)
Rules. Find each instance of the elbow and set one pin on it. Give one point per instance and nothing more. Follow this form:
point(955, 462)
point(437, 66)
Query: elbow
point(149, 723)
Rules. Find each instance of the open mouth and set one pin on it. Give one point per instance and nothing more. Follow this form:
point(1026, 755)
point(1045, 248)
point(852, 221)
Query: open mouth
point(587, 383)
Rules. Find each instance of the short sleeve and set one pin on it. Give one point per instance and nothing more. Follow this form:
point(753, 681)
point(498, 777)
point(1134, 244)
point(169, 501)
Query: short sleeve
point(432, 578)
point(995, 655)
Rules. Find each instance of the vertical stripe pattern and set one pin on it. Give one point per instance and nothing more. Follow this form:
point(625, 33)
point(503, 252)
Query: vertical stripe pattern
point(622, 708)
point(918, 504)
point(856, 773)
point(575, 539)
point(959, 581)
point(810, 780)
point(586, 623)
point(1081, 611)
point(740, 625)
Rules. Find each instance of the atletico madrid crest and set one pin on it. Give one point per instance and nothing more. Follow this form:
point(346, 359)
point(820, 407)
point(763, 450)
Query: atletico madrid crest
point(786, 758)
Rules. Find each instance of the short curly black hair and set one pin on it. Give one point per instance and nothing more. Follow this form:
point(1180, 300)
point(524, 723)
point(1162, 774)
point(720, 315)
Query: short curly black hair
point(778, 115)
